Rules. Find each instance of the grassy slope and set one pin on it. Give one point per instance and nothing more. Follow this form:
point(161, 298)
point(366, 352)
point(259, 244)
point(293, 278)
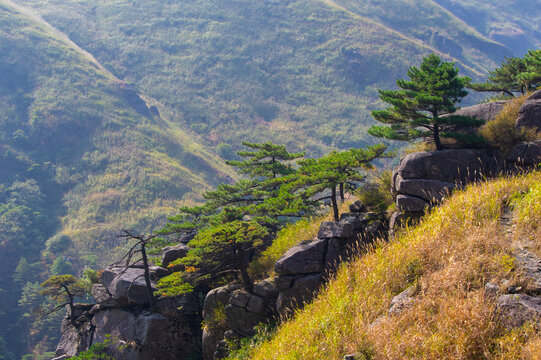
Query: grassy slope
point(301, 72)
point(434, 26)
point(448, 257)
point(116, 165)
point(515, 24)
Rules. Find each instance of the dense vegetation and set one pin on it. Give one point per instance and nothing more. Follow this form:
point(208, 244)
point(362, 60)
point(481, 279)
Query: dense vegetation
point(302, 71)
point(81, 154)
point(447, 258)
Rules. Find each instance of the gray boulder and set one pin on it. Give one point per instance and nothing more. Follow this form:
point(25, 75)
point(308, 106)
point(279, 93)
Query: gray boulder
point(127, 286)
point(305, 258)
point(143, 336)
point(102, 296)
point(530, 113)
point(428, 190)
point(74, 339)
point(517, 309)
point(240, 298)
point(256, 304)
point(452, 166)
point(266, 289)
point(213, 335)
point(357, 220)
point(242, 321)
point(525, 154)
point(485, 111)
point(301, 291)
point(402, 301)
point(357, 207)
point(218, 296)
point(186, 304)
point(411, 203)
point(284, 282)
point(330, 229)
point(172, 253)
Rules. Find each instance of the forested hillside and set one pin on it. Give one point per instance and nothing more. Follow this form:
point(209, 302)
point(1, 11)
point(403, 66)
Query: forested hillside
point(250, 70)
point(82, 155)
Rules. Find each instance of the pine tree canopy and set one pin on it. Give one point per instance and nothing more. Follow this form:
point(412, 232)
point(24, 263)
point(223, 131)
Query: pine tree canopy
point(317, 176)
point(216, 252)
point(62, 290)
point(268, 161)
point(266, 167)
point(531, 78)
point(515, 75)
point(433, 89)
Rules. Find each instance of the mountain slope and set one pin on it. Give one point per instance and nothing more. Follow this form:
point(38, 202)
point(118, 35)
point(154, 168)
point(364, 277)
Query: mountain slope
point(305, 72)
point(478, 236)
point(516, 24)
point(81, 154)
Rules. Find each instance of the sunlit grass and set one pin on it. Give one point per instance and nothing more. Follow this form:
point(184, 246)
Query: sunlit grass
point(291, 235)
point(454, 252)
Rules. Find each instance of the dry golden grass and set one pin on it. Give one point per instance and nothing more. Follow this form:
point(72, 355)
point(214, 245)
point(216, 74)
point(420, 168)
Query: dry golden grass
point(291, 235)
point(449, 257)
point(501, 133)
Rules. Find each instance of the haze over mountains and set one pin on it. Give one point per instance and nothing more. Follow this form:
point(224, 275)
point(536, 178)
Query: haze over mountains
point(114, 113)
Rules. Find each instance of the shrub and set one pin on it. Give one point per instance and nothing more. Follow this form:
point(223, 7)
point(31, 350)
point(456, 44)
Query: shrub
point(376, 193)
point(500, 133)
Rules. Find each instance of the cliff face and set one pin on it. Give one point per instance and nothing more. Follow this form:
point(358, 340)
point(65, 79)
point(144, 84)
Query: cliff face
point(122, 318)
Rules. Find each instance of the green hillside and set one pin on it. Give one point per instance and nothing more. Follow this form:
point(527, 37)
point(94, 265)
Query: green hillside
point(515, 24)
point(304, 71)
point(474, 238)
point(82, 155)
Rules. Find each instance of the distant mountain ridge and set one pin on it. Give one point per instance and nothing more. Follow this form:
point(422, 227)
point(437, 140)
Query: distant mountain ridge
point(255, 70)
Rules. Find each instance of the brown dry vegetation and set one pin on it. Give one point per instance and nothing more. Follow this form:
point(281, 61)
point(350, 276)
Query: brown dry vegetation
point(501, 133)
point(449, 258)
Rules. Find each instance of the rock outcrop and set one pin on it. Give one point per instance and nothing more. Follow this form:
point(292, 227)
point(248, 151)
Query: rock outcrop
point(530, 113)
point(485, 111)
point(171, 330)
point(301, 271)
point(424, 178)
point(525, 155)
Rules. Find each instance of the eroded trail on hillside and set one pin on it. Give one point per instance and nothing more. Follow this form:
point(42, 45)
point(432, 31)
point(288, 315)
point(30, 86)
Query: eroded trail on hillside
point(519, 301)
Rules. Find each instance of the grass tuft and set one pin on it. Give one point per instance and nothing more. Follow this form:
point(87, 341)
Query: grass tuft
point(501, 133)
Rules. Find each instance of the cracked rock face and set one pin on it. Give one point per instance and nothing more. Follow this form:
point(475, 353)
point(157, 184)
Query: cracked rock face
point(126, 286)
point(525, 154)
point(305, 258)
point(517, 309)
point(424, 178)
point(530, 266)
point(530, 113)
point(143, 335)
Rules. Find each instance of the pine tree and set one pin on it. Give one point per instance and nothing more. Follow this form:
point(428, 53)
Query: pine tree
point(216, 252)
point(531, 78)
point(265, 166)
point(504, 79)
point(268, 161)
point(416, 112)
point(336, 170)
point(62, 290)
point(515, 75)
